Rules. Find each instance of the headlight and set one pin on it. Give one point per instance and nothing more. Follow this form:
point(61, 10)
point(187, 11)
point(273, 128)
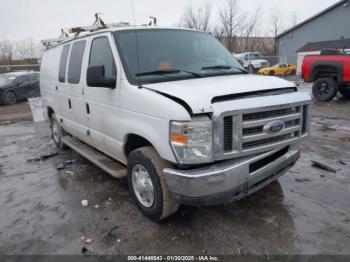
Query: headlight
point(192, 141)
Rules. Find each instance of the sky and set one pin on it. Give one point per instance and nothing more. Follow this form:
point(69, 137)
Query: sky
point(40, 19)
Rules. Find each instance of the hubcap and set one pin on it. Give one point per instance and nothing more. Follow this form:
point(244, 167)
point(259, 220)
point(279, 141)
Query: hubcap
point(10, 98)
point(55, 133)
point(323, 88)
point(142, 185)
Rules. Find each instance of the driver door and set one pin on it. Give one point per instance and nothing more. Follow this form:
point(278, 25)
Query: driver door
point(102, 103)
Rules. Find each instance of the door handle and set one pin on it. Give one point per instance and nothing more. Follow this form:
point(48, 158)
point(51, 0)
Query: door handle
point(87, 108)
point(69, 104)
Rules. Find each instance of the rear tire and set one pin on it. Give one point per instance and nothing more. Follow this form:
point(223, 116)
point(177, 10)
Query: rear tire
point(147, 184)
point(271, 73)
point(345, 91)
point(57, 132)
point(9, 98)
point(325, 89)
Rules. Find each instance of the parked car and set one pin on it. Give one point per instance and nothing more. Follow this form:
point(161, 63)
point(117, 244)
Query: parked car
point(18, 86)
point(278, 70)
point(330, 74)
point(176, 113)
point(252, 61)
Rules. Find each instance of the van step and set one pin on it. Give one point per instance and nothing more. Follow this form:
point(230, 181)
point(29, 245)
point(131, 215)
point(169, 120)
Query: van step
point(106, 163)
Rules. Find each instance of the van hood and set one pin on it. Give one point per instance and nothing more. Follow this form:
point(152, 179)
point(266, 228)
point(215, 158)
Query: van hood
point(198, 94)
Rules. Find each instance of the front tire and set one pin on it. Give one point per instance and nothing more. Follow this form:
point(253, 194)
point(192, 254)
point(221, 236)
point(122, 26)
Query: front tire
point(9, 98)
point(345, 91)
point(271, 73)
point(57, 132)
point(325, 89)
point(147, 184)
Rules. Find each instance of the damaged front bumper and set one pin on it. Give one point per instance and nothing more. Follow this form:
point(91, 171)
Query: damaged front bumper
point(230, 180)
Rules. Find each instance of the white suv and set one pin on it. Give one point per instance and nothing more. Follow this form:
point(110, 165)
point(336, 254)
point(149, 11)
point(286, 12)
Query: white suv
point(173, 111)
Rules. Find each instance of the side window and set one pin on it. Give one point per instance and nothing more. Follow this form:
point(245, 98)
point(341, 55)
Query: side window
point(21, 79)
point(32, 78)
point(101, 54)
point(63, 64)
point(75, 62)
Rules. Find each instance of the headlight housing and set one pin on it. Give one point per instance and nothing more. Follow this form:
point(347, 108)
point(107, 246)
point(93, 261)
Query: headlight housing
point(191, 141)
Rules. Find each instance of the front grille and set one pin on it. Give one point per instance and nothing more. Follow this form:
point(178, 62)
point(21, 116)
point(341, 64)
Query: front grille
point(255, 134)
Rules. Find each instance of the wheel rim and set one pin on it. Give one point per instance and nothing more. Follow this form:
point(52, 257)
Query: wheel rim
point(323, 89)
point(10, 98)
point(55, 133)
point(142, 185)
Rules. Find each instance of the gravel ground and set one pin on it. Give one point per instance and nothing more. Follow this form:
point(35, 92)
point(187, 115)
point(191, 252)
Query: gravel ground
point(305, 212)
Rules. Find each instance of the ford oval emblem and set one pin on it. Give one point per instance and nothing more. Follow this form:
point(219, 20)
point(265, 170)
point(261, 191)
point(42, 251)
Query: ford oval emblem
point(274, 127)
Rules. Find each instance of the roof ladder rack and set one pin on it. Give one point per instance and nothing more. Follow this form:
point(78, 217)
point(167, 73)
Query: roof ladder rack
point(99, 24)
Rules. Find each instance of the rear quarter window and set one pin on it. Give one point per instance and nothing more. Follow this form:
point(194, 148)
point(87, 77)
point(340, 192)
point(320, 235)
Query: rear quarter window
point(63, 64)
point(75, 62)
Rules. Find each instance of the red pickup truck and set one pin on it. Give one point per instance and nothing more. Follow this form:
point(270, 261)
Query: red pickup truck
point(330, 74)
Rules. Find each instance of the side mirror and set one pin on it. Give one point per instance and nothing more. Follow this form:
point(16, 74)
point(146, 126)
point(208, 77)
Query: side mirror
point(96, 77)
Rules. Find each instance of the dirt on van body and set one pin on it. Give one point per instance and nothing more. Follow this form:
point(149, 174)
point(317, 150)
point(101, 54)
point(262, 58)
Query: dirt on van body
point(305, 212)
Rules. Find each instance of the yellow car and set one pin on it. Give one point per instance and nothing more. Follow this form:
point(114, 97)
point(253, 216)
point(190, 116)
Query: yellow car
point(278, 70)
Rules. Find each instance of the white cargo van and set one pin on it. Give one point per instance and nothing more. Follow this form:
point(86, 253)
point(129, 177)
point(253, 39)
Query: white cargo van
point(173, 111)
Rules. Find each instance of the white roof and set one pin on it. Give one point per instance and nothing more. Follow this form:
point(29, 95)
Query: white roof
point(115, 29)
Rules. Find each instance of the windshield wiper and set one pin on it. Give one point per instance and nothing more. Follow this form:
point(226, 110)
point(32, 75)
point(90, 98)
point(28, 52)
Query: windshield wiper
point(168, 72)
point(224, 67)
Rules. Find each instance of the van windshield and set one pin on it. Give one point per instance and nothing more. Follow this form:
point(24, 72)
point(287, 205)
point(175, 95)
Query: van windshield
point(161, 55)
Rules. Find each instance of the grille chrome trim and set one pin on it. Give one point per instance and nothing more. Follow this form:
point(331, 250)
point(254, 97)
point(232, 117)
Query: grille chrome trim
point(264, 135)
point(269, 120)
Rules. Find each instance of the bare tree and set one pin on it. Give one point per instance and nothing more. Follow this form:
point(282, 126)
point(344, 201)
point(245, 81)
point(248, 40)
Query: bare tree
point(277, 26)
point(252, 28)
point(196, 19)
point(218, 33)
point(6, 51)
point(231, 22)
point(293, 19)
point(28, 49)
point(276, 17)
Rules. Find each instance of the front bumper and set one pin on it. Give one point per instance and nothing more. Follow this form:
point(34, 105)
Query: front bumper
point(230, 180)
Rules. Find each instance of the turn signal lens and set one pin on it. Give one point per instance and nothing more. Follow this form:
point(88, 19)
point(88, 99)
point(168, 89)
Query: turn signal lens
point(181, 139)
